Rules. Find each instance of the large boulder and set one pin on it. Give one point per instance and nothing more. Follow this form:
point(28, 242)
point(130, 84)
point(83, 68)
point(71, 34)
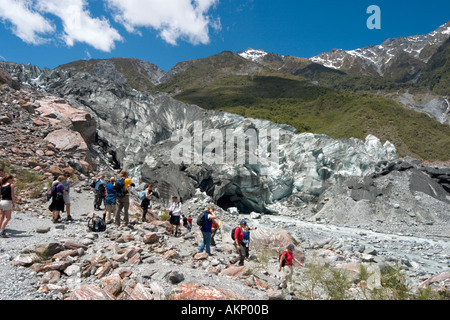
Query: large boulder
point(67, 140)
point(195, 291)
point(60, 112)
point(5, 77)
point(90, 292)
point(73, 144)
point(277, 239)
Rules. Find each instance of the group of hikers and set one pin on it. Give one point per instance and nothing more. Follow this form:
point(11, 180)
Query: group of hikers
point(241, 241)
point(209, 227)
point(115, 197)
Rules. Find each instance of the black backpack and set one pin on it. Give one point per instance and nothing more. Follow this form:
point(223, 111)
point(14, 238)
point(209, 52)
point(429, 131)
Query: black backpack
point(93, 183)
point(119, 188)
point(283, 263)
point(96, 224)
point(232, 233)
point(201, 219)
point(101, 189)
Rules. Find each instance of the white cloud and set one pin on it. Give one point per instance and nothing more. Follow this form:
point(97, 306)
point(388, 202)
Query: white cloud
point(37, 21)
point(26, 23)
point(29, 23)
point(79, 26)
point(173, 19)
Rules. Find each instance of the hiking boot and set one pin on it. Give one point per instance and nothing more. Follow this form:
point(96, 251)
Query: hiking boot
point(69, 218)
point(57, 220)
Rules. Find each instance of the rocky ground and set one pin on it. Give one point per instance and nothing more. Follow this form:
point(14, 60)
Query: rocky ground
point(42, 260)
point(143, 256)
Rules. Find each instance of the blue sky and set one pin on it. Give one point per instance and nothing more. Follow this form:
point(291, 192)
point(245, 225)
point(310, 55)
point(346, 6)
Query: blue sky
point(48, 33)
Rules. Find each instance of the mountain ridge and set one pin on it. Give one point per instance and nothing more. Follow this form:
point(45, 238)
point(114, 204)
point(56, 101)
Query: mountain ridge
point(382, 59)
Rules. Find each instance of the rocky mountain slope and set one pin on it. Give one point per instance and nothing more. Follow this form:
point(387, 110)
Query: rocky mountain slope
point(401, 59)
point(419, 59)
point(411, 70)
point(414, 75)
point(436, 73)
point(138, 74)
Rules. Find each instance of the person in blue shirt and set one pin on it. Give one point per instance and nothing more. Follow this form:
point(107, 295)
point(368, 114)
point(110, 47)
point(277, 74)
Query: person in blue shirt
point(110, 201)
point(99, 191)
point(246, 240)
point(206, 231)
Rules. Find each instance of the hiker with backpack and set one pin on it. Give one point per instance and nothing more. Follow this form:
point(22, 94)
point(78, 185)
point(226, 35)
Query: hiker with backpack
point(205, 221)
point(57, 195)
point(186, 223)
point(110, 201)
point(286, 262)
point(146, 200)
point(237, 234)
point(99, 190)
point(123, 199)
point(175, 214)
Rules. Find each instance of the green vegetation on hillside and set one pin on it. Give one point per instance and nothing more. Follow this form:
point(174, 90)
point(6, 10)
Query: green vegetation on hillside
point(315, 109)
point(436, 75)
point(200, 71)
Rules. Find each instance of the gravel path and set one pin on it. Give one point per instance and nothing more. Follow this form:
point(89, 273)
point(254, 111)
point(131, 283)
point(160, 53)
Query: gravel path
point(20, 283)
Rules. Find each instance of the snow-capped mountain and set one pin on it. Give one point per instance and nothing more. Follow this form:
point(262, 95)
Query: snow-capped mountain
point(252, 54)
point(400, 58)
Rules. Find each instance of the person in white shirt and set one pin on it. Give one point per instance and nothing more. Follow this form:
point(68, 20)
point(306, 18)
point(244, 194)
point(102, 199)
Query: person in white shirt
point(175, 214)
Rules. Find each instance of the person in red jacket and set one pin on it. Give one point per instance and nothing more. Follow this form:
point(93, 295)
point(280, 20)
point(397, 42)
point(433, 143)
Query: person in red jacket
point(288, 257)
point(238, 243)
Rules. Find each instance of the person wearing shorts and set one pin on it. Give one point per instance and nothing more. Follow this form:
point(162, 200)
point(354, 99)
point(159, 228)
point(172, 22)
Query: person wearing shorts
point(7, 204)
point(175, 213)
